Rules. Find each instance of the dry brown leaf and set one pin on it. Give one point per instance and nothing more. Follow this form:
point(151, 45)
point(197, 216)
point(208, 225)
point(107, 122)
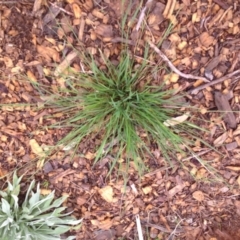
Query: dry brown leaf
point(198, 195)
point(182, 45)
point(233, 168)
point(36, 148)
point(96, 13)
point(45, 192)
point(104, 225)
point(201, 173)
point(81, 201)
point(31, 76)
point(37, 5)
point(48, 53)
point(3, 172)
point(8, 62)
point(172, 192)
point(65, 63)
point(221, 139)
point(206, 40)
point(104, 30)
point(176, 120)
point(90, 156)
point(147, 189)
point(88, 4)
point(107, 193)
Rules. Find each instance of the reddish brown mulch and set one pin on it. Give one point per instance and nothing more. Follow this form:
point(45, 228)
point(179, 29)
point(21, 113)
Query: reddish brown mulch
point(173, 203)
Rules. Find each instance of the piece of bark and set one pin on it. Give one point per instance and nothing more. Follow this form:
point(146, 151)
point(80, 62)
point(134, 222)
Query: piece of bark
point(222, 4)
point(223, 105)
point(211, 65)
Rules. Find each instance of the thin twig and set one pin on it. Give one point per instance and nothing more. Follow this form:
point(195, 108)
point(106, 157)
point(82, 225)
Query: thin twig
point(161, 228)
point(174, 231)
point(61, 9)
point(173, 68)
point(197, 154)
point(142, 14)
point(214, 82)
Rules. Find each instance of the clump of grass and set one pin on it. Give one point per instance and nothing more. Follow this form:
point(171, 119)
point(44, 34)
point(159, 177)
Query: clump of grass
point(119, 106)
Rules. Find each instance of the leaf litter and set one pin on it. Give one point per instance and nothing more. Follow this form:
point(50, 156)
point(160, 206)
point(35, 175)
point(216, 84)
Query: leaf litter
point(204, 42)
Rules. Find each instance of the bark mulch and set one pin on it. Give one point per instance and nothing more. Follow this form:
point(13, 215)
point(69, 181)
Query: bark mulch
point(173, 203)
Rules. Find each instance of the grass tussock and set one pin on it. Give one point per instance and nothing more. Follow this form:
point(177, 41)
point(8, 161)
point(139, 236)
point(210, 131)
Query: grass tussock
point(119, 106)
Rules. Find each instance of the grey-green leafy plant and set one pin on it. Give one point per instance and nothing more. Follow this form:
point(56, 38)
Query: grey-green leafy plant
point(36, 217)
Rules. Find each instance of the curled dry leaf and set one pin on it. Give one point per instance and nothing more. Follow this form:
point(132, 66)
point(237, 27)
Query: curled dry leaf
point(201, 173)
point(233, 168)
point(104, 225)
point(31, 76)
point(65, 63)
point(107, 193)
point(198, 195)
point(48, 53)
point(88, 4)
point(104, 30)
point(147, 189)
point(81, 201)
point(36, 148)
point(172, 192)
point(45, 192)
point(221, 139)
point(206, 40)
point(177, 120)
point(8, 62)
point(37, 5)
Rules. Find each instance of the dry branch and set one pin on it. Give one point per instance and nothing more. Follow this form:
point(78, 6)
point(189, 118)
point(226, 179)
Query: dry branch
point(214, 82)
point(173, 68)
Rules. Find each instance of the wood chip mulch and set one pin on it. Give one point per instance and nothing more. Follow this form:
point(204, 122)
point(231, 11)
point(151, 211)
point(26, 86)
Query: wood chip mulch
point(173, 203)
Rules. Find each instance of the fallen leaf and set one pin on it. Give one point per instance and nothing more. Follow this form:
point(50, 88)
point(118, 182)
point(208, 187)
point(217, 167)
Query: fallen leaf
point(90, 156)
point(198, 195)
point(201, 173)
point(107, 193)
point(37, 5)
point(221, 139)
point(48, 53)
point(65, 63)
point(81, 201)
point(180, 185)
point(45, 192)
point(177, 120)
point(147, 189)
point(36, 148)
point(172, 192)
point(104, 225)
point(8, 62)
point(104, 30)
point(233, 168)
point(206, 40)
